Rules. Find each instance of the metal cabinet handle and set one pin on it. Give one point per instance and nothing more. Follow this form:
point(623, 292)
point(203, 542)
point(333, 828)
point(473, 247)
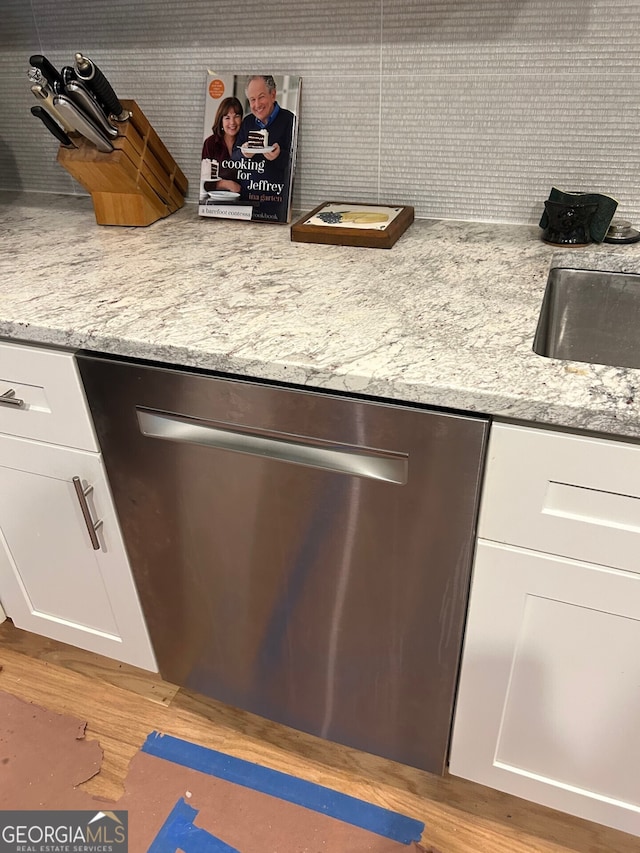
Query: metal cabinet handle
point(9, 399)
point(92, 526)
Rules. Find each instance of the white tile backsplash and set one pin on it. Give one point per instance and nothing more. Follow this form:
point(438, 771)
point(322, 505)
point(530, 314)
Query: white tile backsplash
point(467, 109)
point(488, 147)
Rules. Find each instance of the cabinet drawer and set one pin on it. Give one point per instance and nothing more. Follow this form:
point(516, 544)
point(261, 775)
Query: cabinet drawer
point(574, 496)
point(54, 408)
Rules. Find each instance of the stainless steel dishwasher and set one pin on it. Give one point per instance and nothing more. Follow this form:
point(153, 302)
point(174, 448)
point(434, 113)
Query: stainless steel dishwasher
point(301, 555)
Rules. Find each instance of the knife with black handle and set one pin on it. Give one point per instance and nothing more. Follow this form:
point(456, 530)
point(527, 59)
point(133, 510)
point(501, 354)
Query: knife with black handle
point(68, 74)
point(81, 122)
point(90, 74)
point(51, 74)
point(52, 125)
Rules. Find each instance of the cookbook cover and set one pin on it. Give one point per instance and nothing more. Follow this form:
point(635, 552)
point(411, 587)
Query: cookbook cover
point(249, 146)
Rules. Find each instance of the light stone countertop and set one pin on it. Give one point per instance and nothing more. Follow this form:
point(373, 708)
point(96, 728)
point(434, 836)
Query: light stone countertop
point(446, 317)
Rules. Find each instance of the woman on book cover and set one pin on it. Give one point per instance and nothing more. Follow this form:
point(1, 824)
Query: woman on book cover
point(220, 144)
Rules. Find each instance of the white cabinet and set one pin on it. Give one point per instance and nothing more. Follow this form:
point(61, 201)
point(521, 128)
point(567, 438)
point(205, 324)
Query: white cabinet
point(548, 704)
point(64, 571)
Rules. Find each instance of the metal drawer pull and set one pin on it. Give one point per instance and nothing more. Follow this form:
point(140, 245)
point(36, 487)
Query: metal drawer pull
point(92, 526)
point(9, 399)
point(388, 466)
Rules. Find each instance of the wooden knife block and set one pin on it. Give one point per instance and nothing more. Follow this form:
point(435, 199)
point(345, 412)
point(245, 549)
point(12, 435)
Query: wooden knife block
point(137, 183)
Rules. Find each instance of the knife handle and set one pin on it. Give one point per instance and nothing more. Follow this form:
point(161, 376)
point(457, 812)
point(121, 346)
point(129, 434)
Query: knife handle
point(82, 123)
point(82, 96)
point(36, 76)
point(52, 125)
point(89, 72)
point(44, 94)
point(68, 75)
point(52, 75)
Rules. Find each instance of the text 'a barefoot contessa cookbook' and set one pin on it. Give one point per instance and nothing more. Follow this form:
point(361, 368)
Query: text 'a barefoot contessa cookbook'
point(249, 146)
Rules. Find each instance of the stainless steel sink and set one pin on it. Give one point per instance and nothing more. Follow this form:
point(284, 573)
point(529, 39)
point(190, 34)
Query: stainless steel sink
point(590, 316)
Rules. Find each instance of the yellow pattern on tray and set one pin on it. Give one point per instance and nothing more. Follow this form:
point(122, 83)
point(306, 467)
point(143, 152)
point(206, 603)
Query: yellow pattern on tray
point(363, 216)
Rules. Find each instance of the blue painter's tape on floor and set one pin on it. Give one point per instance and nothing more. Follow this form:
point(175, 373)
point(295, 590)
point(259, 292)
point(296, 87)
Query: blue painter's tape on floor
point(351, 810)
point(179, 833)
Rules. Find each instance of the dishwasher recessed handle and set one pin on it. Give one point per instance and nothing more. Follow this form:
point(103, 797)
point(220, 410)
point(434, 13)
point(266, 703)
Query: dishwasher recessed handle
point(389, 466)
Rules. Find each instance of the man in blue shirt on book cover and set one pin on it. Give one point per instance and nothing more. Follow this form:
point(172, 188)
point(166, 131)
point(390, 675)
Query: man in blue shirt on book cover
point(267, 179)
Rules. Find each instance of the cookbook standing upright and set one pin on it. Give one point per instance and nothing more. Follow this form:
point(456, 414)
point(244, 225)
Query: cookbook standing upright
point(249, 146)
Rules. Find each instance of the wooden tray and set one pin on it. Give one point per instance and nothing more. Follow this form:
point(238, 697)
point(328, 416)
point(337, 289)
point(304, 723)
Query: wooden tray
point(353, 224)
point(137, 183)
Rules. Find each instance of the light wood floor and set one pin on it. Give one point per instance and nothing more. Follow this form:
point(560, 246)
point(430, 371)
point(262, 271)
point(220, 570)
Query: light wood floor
point(122, 705)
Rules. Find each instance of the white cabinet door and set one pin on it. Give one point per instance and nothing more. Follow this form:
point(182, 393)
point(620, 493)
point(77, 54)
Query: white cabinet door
point(549, 700)
point(53, 581)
